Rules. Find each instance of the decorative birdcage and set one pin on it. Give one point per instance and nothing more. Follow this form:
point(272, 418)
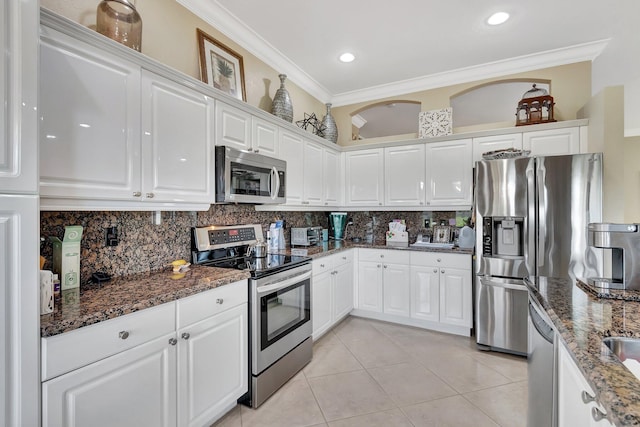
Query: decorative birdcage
point(536, 106)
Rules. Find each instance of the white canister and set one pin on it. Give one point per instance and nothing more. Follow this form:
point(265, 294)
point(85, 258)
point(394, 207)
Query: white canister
point(467, 238)
point(46, 292)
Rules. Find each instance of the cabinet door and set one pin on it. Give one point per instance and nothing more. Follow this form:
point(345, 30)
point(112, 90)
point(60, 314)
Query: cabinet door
point(212, 366)
point(233, 127)
point(19, 94)
point(342, 291)
point(552, 142)
point(364, 177)
point(177, 125)
point(370, 286)
point(404, 175)
point(313, 174)
point(497, 142)
point(292, 151)
point(449, 174)
point(425, 293)
point(322, 300)
point(90, 121)
point(455, 297)
point(264, 137)
point(332, 178)
point(133, 388)
point(396, 290)
point(19, 305)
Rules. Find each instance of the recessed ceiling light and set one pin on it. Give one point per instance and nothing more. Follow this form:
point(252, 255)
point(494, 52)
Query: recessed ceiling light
point(347, 57)
point(498, 18)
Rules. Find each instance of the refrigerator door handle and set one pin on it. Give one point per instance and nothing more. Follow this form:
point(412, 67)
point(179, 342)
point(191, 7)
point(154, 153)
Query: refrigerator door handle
point(541, 208)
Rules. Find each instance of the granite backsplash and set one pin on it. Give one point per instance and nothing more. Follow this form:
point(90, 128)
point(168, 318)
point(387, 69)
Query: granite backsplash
point(144, 246)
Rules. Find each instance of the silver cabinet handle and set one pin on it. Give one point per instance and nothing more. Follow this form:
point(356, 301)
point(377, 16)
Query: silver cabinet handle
point(219, 300)
point(597, 414)
point(586, 397)
point(173, 341)
point(150, 195)
point(123, 335)
point(137, 194)
point(185, 335)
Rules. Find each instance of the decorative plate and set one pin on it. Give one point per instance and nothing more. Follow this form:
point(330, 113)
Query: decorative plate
point(435, 123)
point(508, 153)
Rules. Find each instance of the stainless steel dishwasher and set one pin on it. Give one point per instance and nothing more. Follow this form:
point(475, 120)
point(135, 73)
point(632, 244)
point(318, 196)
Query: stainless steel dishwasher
point(542, 369)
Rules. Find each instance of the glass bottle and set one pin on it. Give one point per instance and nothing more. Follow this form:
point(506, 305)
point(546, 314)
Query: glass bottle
point(120, 21)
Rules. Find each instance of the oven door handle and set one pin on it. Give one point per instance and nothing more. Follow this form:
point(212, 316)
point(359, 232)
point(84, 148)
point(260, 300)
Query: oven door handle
point(281, 284)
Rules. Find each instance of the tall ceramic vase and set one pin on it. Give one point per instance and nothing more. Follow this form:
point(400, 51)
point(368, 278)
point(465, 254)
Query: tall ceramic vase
point(282, 106)
point(330, 129)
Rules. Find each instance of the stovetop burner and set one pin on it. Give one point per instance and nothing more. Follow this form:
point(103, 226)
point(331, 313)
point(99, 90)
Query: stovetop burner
point(259, 267)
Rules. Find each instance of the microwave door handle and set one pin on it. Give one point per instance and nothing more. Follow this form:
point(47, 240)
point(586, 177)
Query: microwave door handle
point(275, 189)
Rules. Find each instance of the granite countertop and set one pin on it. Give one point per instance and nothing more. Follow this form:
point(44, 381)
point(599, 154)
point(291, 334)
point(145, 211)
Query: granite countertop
point(333, 246)
point(127, 294)
point(583, 320)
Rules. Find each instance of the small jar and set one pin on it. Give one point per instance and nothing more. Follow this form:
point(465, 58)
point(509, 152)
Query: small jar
point(120, 21)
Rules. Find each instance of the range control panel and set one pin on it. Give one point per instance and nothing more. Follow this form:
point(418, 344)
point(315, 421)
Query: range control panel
point(225, 236)
point(231, 235)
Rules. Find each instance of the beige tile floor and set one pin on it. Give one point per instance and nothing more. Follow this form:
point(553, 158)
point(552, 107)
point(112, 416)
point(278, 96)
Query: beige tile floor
point(369, 373)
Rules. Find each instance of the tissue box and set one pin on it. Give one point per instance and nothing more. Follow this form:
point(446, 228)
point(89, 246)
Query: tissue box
point(398, 239)
point(66, 257)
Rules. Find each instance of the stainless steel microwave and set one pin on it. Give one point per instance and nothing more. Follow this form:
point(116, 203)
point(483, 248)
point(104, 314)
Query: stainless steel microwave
point(243, 177)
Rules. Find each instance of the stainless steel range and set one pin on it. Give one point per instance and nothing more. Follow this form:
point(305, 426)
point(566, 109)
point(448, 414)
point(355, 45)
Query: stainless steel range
point(279, 304)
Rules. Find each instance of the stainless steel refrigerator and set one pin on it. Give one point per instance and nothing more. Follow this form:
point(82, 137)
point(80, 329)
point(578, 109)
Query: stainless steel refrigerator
point(531, 219)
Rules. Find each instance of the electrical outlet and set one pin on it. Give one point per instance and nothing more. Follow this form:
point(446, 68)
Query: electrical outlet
point(111, 236)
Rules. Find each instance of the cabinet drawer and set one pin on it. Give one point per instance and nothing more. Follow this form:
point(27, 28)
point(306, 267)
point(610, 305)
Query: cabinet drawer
point(345, 257)
point(384, 255)
point(198, 307)
point(323, 264)
point(429, 259)
point(66, 352)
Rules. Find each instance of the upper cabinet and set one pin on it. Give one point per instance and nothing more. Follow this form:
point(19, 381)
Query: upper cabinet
point(449, 175)
point(486, 144)
point(265, 137)
point(313, 178)
point(404, 175)
point(364, 177)
point(552, 142)
point(292, 151)
point(333, 177)
point(233, 127)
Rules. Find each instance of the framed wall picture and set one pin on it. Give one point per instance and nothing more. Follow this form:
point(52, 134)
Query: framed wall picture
point(221, 66)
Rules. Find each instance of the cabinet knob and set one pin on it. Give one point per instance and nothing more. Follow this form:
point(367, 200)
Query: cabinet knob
point(173, 341)
point(422, 203)
point(249, 149)
point(378, 265)
point(381, 255)
point(586, 397)
point(150, 195)
point(344, 258)
point(597, 414)
point(322, 265)
point(439, 260)
point(185, 335)
point(435, 270)
point(326, 203)
point(385, 266)
point(137, 194)
point(380, 204)
point(255, 151)
point(123, 335)
point(219, 300)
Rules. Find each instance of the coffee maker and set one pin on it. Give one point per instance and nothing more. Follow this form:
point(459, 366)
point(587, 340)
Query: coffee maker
point(623, 240)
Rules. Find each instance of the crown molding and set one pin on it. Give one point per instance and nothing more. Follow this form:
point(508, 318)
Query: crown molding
point(551, 58)
point(228, 24)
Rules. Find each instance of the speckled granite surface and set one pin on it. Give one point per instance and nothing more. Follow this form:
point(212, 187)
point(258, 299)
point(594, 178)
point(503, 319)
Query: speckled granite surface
point(332, 246)
point(582, 321)
point(123, 295)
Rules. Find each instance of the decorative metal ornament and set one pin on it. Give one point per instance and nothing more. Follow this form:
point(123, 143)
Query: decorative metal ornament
point(330, 131)
point(282, 106)
point(317, 128)
point(536, 106)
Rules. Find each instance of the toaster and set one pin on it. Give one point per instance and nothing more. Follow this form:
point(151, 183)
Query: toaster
point(306, 236)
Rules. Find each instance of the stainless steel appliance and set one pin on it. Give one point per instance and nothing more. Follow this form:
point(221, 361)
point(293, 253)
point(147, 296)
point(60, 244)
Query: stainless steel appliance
point(542, 369)
point(623, 240)
point(279, 304)
point(533, 215)
point(306, 236)
point(243, 177)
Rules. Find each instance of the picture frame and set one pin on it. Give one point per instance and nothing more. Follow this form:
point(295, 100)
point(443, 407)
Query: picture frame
point(441, 234)
point(221, 66)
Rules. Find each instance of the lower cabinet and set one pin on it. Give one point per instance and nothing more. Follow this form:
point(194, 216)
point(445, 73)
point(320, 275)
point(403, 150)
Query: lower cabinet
point(383, 281)
point(577, 403)
point(332, 291)
point(186, 375)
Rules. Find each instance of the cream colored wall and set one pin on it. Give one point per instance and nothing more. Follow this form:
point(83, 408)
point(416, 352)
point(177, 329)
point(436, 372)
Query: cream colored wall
point(169, 36)
point(570, 87)
point(632, 179)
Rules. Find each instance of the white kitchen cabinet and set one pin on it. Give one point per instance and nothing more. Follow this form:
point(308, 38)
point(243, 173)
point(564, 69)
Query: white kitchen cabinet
point(332, 291)
point(333, 178)
point(396, 289)
point(449, 175)
point(552, 142)
point(364, 177)
point(495, 142)
point(572, 409)
point(404, 175)
point(177, 142)
point(264, 137)
point(313, 170)
point(455, 297)
point(233, 127)
point(370, 286)
point(383, 281)
point(292, 151)
point(425, 293)
point(133, 388)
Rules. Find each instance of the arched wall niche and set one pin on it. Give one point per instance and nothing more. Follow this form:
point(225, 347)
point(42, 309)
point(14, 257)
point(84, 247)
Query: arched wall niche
point(386, 118)
point(492, 102)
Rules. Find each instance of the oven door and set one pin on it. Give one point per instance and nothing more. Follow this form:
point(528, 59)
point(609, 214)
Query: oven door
point(281, 315)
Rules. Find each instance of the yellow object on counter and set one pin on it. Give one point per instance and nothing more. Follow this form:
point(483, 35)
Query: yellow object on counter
point(42, 261)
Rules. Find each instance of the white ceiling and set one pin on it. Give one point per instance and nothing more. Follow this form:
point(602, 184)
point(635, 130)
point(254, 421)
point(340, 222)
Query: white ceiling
point(409, 45)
